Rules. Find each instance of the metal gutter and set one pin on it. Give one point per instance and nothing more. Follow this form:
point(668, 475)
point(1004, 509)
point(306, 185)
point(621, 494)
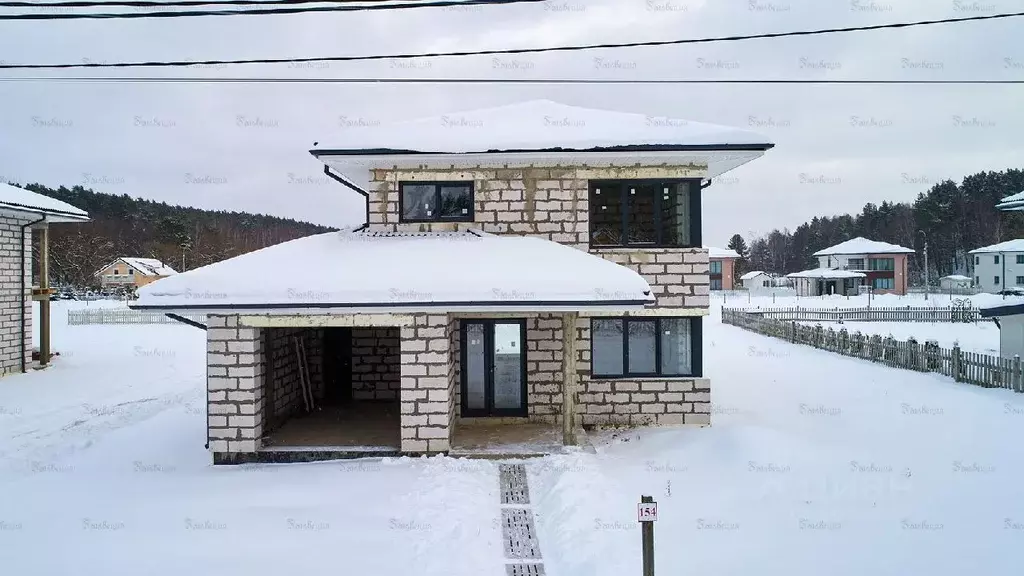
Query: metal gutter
point(184, 320)
point(366, 195)
point(627, 148)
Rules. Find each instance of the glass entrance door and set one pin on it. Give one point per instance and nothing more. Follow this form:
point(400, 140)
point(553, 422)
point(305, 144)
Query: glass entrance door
point(493, 368)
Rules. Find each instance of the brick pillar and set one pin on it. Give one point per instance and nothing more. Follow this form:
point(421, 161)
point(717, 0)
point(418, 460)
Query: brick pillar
point(235, 372)
point(426, 385)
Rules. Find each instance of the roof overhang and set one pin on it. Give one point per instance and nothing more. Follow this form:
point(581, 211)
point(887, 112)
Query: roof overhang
point(1008, 310)
point(709, 161)
point(48, 215)
point(402, 273)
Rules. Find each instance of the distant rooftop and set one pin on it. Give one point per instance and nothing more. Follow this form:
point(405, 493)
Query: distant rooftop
point(861, 245)
point(1008, 246)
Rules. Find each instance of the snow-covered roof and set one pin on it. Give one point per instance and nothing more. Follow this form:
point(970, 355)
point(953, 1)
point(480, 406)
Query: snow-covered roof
point(378, 271)
point(861, 245)
point(998, 305)
point(956, 278)
point(753, 274)
point(14, 199)
point(721, 253)
point(1012, 202)
point(826, 273)
point(149, 266)
point(1008, 246)
point(539, 132)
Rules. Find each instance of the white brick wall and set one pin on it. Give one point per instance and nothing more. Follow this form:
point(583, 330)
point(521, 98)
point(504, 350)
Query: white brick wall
point(12, 300)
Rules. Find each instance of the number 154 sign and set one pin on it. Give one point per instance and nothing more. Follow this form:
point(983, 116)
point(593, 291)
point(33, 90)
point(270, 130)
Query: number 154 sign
point(647, 512)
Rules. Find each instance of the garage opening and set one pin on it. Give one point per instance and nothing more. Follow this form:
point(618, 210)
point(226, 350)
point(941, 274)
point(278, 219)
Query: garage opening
point(352, 398)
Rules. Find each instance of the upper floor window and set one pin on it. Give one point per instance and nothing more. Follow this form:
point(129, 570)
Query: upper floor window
point(131, 272)
point(881, 264)
point(715, 266)
point(977, 260)
point(651, 213)
point(997, 259)
point(855, 263)
point(1020, 258)
point(435, 201)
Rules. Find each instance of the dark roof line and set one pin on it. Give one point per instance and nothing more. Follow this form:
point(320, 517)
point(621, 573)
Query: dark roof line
point(625, 148)
point(453, 304)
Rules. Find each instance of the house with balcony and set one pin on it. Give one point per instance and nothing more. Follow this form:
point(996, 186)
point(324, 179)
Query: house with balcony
point(132, 272)
point(524, 273)
point(999, 267)
point(722, 267)
point(879, 265)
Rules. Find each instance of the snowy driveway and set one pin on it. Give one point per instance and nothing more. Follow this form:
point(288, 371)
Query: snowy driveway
point(816, 464)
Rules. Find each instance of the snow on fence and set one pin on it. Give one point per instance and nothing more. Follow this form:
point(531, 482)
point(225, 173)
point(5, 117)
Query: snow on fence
point(968, 367)
point(124, 316)
point(883, 314)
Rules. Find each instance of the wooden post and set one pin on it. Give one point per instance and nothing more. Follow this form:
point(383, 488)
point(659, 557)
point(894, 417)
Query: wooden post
point(956, 362)
point(647, 535)
point(570, 376)
point(1015, 376)
point(44, 302)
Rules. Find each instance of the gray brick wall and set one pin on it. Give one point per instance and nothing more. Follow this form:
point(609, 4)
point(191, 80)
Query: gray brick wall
point(234, 384)
point(282, 389)
point(12, 300)
point(376, 363)
point(426, 384)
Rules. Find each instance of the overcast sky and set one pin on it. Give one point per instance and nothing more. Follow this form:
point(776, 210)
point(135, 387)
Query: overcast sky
point(245, 146)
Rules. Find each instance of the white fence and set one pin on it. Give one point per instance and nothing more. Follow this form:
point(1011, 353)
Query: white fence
point(967, 367)
point(125, 316)
point(876, 314)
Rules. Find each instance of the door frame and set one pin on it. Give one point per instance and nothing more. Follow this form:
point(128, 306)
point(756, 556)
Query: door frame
point(489, 411)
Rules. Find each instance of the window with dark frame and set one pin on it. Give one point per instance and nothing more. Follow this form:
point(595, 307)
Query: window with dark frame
point(645, 347)
point(650, 213)
point(997, 259)
point(715, 267)
point(435, 201)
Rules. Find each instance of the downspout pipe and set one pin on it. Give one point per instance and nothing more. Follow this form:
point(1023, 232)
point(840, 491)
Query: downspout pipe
point(42, 218)
point(346, 183)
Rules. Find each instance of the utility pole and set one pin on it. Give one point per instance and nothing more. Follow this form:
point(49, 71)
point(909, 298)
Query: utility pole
point(921, 232)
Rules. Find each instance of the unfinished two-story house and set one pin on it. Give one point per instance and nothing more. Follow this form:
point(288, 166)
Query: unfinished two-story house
point(524, 273)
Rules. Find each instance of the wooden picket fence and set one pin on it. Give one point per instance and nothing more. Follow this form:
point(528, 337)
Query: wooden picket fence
point(124, 316)
point(874, 314)
point(968, 367)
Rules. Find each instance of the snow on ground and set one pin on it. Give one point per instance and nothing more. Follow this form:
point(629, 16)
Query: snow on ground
point(981, 337)
point(816, 463)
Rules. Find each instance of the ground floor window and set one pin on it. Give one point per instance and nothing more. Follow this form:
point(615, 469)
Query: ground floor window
point(716, 283)
point(883, 284)
point(996, 280)
point(644, 347)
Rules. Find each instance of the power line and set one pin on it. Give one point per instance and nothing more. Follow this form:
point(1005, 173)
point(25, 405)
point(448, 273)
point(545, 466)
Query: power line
point(172, 3)
point(278, 80)
point(344, 7)
point(179, 63)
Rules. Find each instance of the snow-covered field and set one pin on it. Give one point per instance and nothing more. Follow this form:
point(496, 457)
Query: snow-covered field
point(815, 464)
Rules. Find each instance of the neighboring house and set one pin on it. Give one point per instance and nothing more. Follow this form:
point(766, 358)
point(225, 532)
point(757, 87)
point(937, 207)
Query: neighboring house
point(999, 267)
point(22, 213)
point(827, 282)
point(135, 272)
point(531, 265)
point(1012, 203)
point(722, 266)
point(760, 283)
point(954, 282)
point(756, 279)
point(884, 265)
